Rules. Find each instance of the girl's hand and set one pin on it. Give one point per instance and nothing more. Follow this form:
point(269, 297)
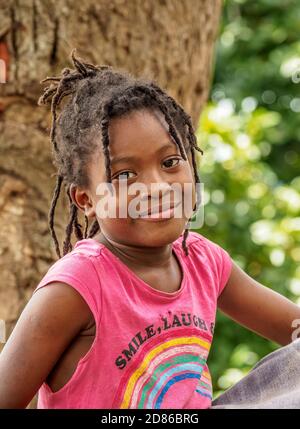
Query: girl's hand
point(52, 318)
point(259, 308)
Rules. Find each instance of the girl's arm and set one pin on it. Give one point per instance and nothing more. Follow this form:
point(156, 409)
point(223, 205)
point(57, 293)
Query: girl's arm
point(51, 319)
point(259, 308)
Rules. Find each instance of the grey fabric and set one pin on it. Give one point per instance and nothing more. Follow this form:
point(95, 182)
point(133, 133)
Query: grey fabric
point(274, 382)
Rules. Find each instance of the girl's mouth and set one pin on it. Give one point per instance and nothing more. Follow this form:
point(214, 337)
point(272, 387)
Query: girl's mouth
point(159, 213)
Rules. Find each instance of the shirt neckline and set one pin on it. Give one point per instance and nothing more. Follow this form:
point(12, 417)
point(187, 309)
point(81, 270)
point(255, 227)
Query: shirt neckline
point(132, 274)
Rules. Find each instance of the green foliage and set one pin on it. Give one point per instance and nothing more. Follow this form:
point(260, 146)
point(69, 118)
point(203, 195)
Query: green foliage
point(258, 63)
point(251, 165)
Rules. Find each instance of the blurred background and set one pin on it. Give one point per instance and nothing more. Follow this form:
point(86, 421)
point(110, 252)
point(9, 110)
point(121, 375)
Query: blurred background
point(250, 133)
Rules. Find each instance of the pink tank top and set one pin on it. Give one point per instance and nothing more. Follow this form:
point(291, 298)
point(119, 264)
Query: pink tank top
point(151, 347)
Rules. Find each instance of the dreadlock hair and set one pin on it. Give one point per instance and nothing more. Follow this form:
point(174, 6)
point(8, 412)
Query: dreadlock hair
point(97, 94)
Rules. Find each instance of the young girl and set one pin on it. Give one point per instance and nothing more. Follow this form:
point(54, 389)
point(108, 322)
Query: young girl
point(125, 319)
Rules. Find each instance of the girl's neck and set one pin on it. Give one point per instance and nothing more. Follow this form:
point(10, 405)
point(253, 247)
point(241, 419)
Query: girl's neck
point(158, 257)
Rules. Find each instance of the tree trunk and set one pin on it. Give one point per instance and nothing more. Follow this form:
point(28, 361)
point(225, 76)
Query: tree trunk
point(168, 40)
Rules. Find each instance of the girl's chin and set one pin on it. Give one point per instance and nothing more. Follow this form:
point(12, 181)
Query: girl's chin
point(156, 232)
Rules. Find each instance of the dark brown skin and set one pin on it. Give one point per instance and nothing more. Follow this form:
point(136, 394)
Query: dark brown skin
point(258, 308)
point(57, 328)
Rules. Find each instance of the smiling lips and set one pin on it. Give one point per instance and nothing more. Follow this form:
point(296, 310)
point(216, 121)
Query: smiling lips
point(161, 212)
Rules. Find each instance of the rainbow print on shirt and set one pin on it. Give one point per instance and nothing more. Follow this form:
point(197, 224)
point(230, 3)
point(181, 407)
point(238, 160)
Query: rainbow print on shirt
point(172, 363)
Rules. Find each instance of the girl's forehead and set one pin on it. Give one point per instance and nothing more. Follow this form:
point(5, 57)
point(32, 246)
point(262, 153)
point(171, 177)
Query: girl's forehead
point(137, 130)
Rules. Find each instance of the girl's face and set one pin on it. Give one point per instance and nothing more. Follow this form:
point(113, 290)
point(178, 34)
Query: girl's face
point(142, 152)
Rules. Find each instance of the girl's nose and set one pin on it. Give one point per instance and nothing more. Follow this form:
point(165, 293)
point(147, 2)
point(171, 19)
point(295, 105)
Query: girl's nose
point(155, 190)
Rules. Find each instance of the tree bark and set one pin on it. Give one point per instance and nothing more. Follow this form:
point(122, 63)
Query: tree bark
point(168, 40)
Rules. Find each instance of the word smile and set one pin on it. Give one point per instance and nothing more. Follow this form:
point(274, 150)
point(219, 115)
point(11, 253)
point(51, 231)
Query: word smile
point(172, 321)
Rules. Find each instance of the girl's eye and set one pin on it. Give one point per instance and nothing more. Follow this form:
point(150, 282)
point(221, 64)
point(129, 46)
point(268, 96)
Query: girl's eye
point(172, 162)
point(123, 175)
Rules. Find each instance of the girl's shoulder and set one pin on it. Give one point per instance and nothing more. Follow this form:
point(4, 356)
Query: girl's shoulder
point(205, 255)
point(77, 269)
point(80, 258)
point(197, 241)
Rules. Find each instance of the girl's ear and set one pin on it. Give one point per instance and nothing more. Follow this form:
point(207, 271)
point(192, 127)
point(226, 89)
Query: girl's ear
point(82, 201)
